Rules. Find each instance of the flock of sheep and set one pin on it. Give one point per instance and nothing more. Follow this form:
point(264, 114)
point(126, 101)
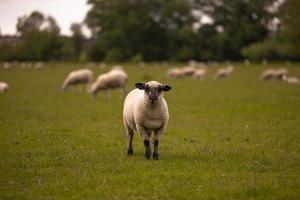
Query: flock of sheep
point(281, 74)
point(117, 77)
point(145, 109)
point(197, 72)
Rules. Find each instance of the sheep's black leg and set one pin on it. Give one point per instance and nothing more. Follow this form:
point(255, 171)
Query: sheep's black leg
point(129, 145)
point(146, 139)
point(147, 149)
point(157, 134)
point(155, 153)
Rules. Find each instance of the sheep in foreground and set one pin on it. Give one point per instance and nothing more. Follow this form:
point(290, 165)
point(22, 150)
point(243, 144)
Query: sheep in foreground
point(224, 72)
point(116, 78)
point(145, 110)
point(291, 80)
point(3, 87)
point(81, 76)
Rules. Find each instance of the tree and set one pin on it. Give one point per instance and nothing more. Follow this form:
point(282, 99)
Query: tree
point(77, 39)
point(283, 44)
point(151, 29)
point(33, 22)
point(241, 22)
point(40, 37)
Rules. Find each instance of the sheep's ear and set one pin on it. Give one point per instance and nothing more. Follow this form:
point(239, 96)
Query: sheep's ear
point(166, 88)
point(140, 86)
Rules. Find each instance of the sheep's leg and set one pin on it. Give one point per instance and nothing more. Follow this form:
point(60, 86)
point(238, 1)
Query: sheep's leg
point(130, 134)
point(88, 87)
point(123, 91)
point(107, 94)
point(157, 134)
point(146, 139)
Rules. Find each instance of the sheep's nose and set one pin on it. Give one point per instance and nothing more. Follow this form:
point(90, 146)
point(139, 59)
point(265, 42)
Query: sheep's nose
point(153, 97)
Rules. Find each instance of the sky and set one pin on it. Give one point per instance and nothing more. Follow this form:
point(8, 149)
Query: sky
point(65, 12)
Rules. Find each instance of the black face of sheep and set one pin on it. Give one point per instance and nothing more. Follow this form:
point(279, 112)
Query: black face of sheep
point(153, 91)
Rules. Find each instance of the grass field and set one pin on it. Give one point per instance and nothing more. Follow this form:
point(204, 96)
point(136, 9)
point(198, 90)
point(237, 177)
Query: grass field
point(236, 138)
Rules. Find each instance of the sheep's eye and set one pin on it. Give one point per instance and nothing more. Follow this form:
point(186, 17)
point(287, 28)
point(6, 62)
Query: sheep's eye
point(159, 89)
point(147, 89)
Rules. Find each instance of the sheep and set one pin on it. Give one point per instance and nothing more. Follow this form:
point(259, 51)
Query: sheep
point(224, 72)
point(272, 74)
point(39, 65)
point(181, 72)
point(268, 74)
point(7, 65)
point(247, 62)
point(291, 80)
point(281, 73)
point(116, 78)
point(3, 87)
point(188, 70)
point(199, 73)
point(76, 77)
point(192, 63)
point(145, 110)
point(174, 73)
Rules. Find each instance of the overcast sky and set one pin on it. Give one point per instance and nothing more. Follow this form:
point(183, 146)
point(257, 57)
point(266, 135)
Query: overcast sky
point(64, 11)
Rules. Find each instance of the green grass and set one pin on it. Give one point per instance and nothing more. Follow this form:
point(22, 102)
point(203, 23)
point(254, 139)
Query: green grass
point(230, 139)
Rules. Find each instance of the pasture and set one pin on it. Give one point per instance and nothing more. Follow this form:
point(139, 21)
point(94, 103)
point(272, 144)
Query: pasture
point(236, 138)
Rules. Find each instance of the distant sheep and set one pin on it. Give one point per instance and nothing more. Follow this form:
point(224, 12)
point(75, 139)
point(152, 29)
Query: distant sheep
point(3, 87)
point(145, 110)
point(174, 73)
point(188, 70)
point(268, 74)
point(224, 72)
point(291, 80)
point(116, 78)
point(39, 65)
point(81, 76)
point(274, 74)
point(281, 73)
point(199, 73)
point(7, 65)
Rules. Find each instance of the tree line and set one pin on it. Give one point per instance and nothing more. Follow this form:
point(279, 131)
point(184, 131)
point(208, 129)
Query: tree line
point(159, 30)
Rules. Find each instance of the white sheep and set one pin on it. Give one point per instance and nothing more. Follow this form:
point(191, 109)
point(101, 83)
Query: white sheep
point(182, 71)
point(116, 78)
point(188, 70)
point(281, 73)
point(224, 72)
point(145, 110)
point(199, 73)
point(3, 87)
point(39, 65)
point(174, 73)
point(7, 65)
point(291, 80)
point(272, 74)
point(81, 76)
point(268, 74)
